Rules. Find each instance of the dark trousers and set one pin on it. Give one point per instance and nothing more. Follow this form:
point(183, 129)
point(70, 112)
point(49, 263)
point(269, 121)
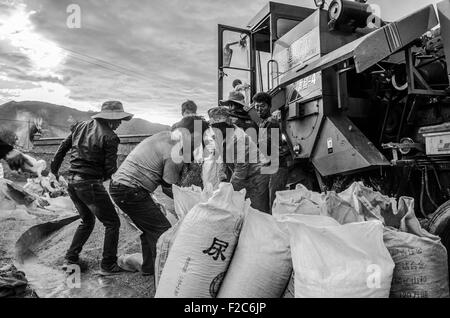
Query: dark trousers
point(92, 200)
point(278, 182)
point(257, 188)
point(139, 206)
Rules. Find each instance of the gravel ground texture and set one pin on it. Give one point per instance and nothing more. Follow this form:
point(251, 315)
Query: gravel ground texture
point(49, 281)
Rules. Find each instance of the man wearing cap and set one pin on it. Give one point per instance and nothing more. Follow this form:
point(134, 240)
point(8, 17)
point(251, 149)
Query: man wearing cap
point(93, 146)
point(242, 157)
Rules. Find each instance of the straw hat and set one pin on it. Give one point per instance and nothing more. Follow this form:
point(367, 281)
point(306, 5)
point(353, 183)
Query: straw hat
point(234, 97)
point(219, 115)
point(113, 110)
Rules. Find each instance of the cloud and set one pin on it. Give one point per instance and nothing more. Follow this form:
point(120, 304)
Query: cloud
point(152, 55)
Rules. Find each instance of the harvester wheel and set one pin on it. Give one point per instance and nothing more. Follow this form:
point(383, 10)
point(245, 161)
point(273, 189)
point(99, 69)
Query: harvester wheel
point(440, 220)
point(440, 225)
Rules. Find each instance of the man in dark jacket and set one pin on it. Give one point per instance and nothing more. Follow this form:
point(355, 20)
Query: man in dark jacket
point(93, 147)
point(15, 159)
point(278, 180)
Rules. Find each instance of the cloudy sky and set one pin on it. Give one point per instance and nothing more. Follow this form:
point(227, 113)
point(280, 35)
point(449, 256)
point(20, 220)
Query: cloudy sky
point(152, 55)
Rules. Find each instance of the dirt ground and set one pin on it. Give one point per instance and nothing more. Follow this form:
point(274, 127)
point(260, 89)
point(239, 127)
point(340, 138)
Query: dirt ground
point(49, 281)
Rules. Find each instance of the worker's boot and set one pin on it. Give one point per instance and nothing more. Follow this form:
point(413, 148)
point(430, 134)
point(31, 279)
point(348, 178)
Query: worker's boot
point(148, 269)
point(111, 271)
point(146, 274)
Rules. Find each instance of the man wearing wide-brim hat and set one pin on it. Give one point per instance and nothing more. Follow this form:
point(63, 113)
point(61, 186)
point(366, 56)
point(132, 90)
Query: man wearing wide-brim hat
point(237, 145)
point(113, 111)
point(236, 105)
point(93, 146)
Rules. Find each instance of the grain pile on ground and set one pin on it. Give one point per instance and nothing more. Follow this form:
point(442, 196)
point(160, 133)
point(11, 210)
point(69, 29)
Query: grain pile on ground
point(49, 281)
point(44, 273)
point(15, 219)
point(11, 231)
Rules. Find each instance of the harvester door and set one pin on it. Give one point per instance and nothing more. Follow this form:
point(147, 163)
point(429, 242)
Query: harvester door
point(236, 61)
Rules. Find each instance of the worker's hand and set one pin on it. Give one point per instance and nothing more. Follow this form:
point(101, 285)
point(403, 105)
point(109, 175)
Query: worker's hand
point(17, 161)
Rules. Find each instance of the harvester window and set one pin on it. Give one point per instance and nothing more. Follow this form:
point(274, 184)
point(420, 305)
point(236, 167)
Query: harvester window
point(236, 50)
point(236, 61)
point(285, 25)
point(262, 58)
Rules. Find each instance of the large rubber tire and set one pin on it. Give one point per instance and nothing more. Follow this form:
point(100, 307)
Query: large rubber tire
point(439, 225)
point(440, 220)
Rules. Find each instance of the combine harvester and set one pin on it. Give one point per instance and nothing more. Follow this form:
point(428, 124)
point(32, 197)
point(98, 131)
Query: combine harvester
point(360, 98)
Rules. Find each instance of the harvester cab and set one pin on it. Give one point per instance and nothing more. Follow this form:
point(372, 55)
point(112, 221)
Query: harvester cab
point(355, 93)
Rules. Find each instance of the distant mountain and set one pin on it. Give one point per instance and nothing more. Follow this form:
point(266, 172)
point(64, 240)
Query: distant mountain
point(57, 120)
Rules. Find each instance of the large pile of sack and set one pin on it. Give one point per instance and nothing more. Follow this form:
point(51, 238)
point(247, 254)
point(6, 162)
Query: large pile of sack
point(355, 244)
